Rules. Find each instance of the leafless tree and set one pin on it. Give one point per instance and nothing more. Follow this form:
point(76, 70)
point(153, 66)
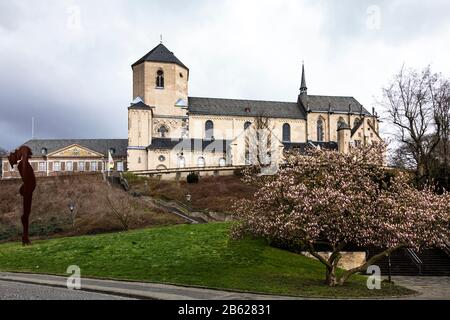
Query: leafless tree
point(440, 92)
point(402, 158)
point(122, 208)
point(417, 104)
point(258, 142)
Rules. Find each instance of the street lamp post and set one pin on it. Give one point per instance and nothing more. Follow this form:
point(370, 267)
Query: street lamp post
point(72, 210)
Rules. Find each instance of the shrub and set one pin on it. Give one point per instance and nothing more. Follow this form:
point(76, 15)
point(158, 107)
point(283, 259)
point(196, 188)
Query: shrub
point(238, 173)
point(193, 177)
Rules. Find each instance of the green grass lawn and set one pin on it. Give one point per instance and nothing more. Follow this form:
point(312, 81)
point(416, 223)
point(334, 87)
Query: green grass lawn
point(199, 255)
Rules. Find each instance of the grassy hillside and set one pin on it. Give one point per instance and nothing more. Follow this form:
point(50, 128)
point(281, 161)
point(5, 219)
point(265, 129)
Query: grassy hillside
point(200, 255)
point(94, 213)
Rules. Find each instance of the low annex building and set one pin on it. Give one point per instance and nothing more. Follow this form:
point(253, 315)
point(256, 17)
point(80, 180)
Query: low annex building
point(62, 157)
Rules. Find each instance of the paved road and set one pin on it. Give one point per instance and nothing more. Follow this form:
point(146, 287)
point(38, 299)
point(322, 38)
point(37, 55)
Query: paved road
point(137, 289)
point(22, 291)
point(32, 286)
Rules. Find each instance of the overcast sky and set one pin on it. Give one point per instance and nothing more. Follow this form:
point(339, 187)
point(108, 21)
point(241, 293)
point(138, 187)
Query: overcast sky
point(67, 63)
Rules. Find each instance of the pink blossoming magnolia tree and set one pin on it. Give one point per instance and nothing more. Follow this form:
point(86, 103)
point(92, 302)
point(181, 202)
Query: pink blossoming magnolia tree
point(333, 199)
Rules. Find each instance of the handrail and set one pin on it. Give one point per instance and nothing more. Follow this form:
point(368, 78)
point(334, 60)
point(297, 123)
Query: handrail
point(415, 259)
point(447, 248)
point(174, 210)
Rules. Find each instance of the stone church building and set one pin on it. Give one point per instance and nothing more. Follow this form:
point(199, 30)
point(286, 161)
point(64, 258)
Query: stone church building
point(168, 129)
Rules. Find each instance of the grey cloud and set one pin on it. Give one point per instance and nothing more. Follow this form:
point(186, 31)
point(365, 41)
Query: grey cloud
point(9, 15)
point(77, 82)
point(401, 20)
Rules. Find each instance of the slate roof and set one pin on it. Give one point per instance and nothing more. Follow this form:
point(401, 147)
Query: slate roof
point(190, 144)
point(344, 125)
point(273, 109)
point(251, 108)
point(140, 106)
point(337, 104)
point(99, 145)
point(160, 54)
point(357, 127)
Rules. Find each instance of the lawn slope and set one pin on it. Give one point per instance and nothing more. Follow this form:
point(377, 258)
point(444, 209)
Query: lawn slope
point(199, 255)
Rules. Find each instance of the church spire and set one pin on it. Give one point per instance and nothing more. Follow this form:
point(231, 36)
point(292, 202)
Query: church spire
point(303, 87)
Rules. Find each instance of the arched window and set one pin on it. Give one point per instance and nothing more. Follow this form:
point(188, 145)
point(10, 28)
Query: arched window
point(247, 125)
point(160, 79)
point(341, 122)
point(268, 157)
point(222, 162)
point(247, 158)
point(163, 131)
point(201, 162)
point(320, 130)
point(247, 153)
point(209, 130)
point(181, 162)
point(286, 132)
point(356, 122)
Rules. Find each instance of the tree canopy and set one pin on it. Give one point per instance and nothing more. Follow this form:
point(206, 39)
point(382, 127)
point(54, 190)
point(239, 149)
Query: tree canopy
point(326, 197)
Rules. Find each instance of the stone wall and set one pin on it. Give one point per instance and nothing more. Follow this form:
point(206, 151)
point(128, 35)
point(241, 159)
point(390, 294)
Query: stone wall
point(348, 261)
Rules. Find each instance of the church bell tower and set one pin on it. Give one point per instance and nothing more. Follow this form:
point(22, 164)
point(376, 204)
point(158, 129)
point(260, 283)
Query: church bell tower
point(160, 79)
point(160, 103)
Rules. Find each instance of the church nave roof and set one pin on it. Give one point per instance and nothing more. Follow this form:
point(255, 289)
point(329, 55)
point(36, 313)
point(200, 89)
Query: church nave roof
point(250, 108)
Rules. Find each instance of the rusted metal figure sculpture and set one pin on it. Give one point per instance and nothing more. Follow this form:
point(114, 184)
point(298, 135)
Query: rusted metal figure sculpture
point(21, 157)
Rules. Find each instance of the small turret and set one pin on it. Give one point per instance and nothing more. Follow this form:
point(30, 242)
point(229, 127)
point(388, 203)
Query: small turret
point(344, 136)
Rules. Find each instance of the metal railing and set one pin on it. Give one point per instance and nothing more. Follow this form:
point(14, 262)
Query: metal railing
point(447, 248)
point(415, 259)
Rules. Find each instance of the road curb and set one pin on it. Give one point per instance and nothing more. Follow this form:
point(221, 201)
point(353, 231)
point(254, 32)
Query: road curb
point(163, 290)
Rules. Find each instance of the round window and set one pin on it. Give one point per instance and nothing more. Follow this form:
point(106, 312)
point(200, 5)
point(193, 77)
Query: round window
point(162, 158)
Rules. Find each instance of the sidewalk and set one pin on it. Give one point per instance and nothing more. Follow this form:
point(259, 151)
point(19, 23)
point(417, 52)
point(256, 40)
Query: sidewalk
point(140, 290)
point(430, 288)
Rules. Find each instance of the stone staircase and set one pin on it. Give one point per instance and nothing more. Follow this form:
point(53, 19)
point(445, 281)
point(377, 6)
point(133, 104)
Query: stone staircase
point(406, 262)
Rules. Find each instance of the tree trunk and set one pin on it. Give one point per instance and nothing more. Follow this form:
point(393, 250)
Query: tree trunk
point(331, 279)
point(333, 261)
point(347, 274)
point(422, 171)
